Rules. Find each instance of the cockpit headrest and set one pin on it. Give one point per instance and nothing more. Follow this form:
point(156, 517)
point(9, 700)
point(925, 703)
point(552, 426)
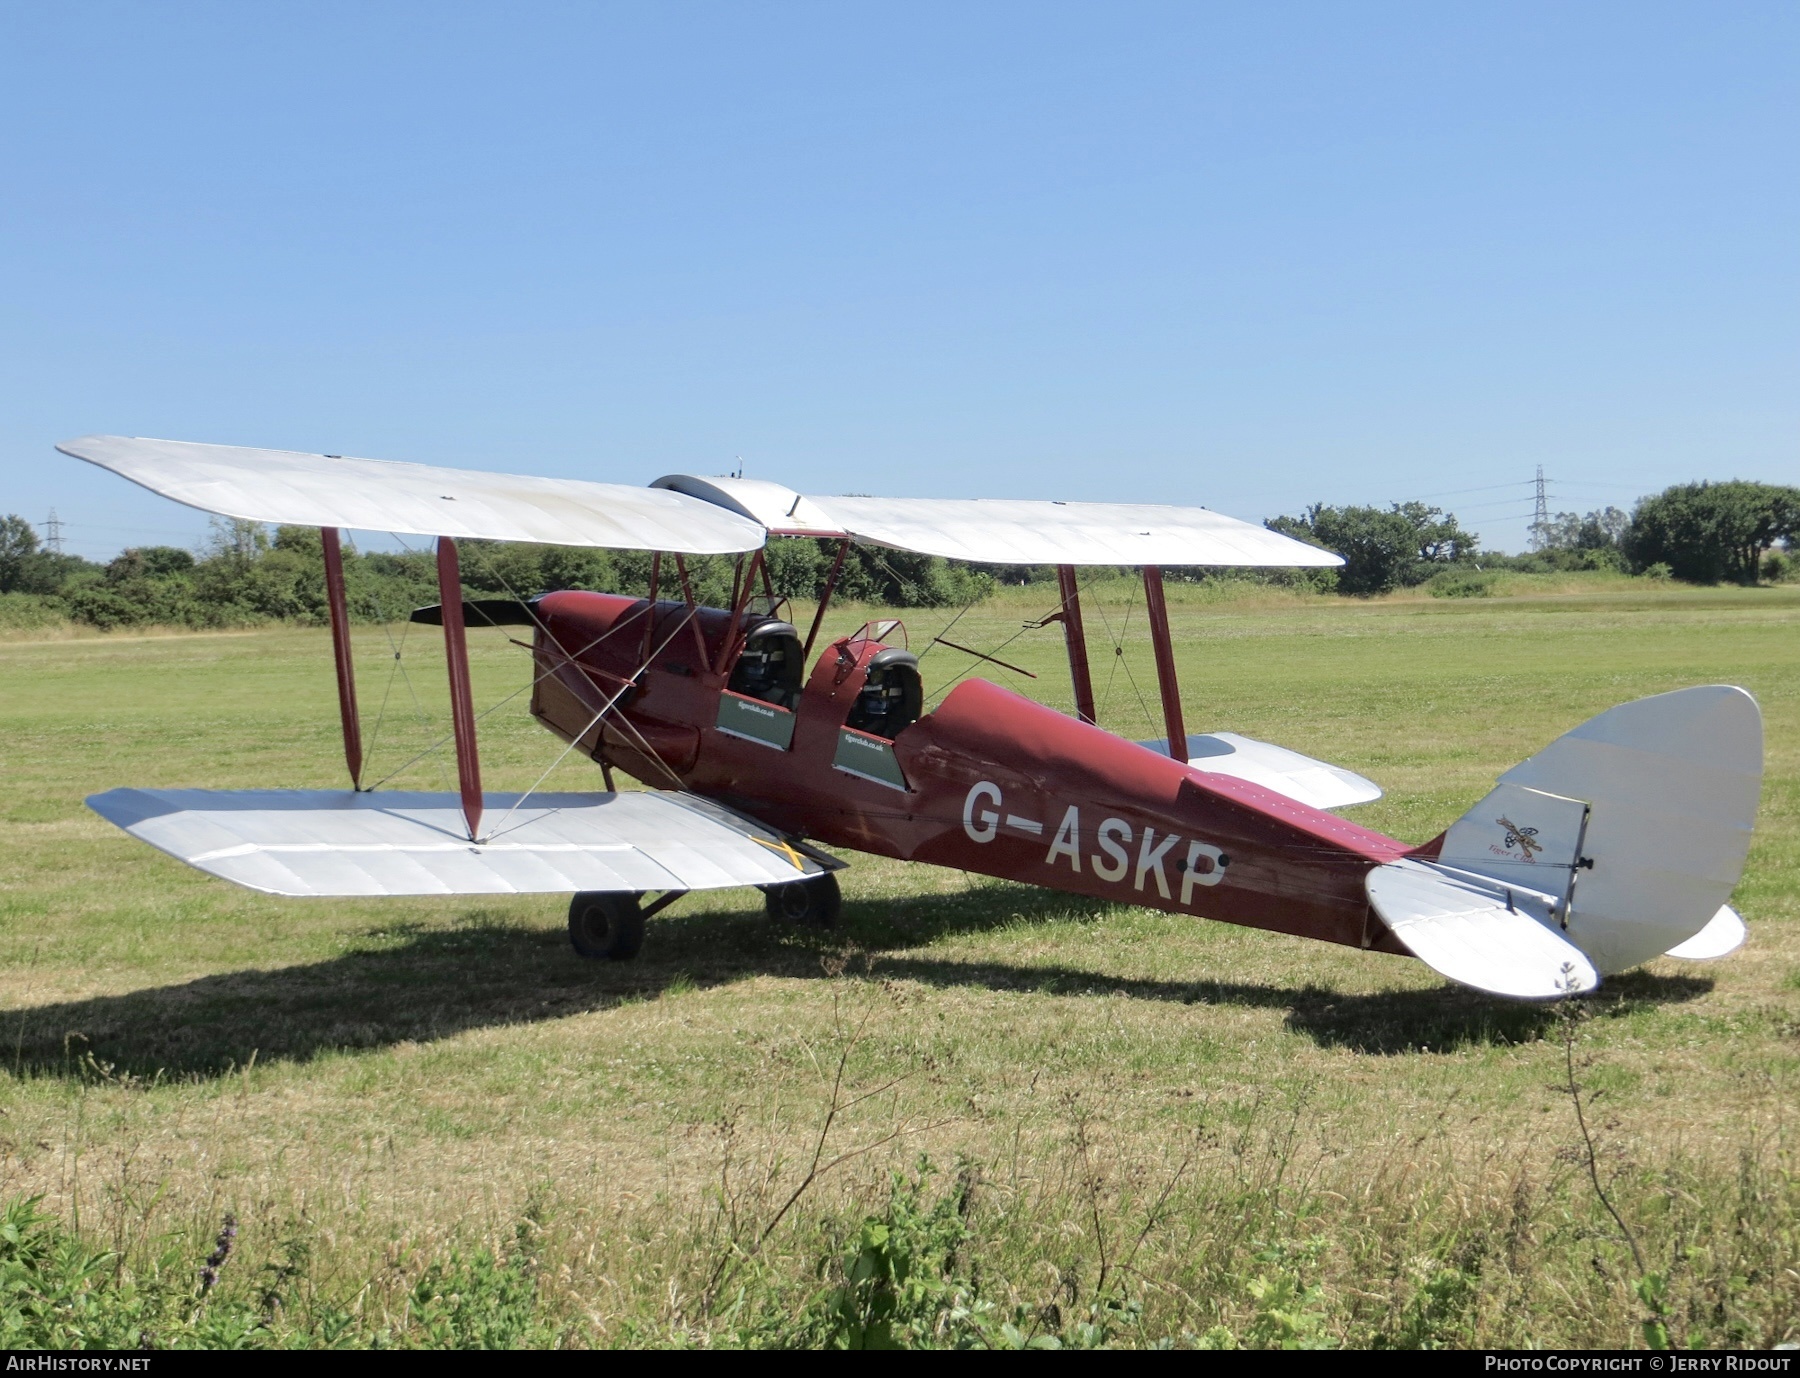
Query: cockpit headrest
point(891, 657)
point(764, 630)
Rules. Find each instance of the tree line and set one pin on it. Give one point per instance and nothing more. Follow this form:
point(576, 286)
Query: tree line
point(247, 574)
point(1706, 533)
point(1703, 533)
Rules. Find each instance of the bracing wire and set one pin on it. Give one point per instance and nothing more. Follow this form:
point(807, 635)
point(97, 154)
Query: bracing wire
point(399, 667)
point(387, 687)
point(649, 612)
point(1061, 607)
point(500, 828)
point(1119, 657)
point(485, 713)
point(692, 611)
point(949, 626)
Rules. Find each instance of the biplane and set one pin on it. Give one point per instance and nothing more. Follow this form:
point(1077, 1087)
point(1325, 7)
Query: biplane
point(761, 747)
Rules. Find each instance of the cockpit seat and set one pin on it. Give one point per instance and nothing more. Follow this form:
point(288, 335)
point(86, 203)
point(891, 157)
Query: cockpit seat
point(892, 695)
point(770, 668)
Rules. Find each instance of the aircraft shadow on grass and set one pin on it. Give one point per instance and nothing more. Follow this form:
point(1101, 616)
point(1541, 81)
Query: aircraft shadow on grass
point(417, 983)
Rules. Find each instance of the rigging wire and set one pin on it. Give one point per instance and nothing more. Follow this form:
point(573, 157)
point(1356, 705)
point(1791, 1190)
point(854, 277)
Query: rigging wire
point(692, 612)
point(399, 667)
point(953, 681)
point(1119, 657)
point(648, 750)
point(949, 627)
point(493, 708)
point(606, 708)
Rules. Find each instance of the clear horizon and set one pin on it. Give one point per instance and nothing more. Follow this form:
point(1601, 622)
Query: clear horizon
point(1251, 259)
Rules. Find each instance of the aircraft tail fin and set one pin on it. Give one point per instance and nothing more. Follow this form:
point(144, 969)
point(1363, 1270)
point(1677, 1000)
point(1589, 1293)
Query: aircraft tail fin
point(1636, 823)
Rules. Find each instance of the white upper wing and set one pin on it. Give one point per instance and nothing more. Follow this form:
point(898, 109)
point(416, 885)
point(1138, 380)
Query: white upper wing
point(418, 499)
point(1015, 532)
point(1006, 531)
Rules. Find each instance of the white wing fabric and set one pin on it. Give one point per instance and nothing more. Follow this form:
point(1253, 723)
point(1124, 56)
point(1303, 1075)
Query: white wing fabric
point(1008, 531)
point(1317, 784)
point(1478, 933)
point(1013, 531)
point(1723, 935)
point(286, 486)
point(335, 842)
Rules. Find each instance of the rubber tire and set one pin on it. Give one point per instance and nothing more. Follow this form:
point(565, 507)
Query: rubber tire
point(814, 903)
point(606, 923)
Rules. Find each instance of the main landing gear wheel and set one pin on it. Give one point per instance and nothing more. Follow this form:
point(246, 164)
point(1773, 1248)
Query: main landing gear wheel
point(605, 923)
point(814, 903)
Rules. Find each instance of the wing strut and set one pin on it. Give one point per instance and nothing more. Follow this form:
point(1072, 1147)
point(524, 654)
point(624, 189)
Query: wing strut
point(837, 568)
point(462, 701)
point(650, 607)
point(1165, 662)
point(340, 650)
point(734, 632)
point(1075, 638)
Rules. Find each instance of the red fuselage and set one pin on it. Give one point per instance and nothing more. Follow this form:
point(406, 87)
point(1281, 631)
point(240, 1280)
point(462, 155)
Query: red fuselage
point(987, 782)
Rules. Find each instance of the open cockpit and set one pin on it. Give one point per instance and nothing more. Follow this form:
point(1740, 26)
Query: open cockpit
point(771, 667)
point(892, 696)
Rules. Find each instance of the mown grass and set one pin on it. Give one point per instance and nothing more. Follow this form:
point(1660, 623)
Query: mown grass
point(1144, 1129)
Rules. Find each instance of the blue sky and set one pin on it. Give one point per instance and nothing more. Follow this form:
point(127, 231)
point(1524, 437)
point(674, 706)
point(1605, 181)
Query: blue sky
point(1250, 256)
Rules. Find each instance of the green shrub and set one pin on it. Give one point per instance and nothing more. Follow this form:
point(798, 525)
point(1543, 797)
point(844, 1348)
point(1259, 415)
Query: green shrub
point(56, 1293)
point(30, 611)
point(1462, 583)
point(481, 1301)
point(1708, 533)
point(907, 1281)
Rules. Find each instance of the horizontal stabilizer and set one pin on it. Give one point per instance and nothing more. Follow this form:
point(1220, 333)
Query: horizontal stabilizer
point(1723, 935)
point(1478, 933)
point(1300, 778)
point(335, 842)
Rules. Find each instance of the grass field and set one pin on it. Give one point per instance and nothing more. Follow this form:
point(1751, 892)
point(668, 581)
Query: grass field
point(1142, 1128)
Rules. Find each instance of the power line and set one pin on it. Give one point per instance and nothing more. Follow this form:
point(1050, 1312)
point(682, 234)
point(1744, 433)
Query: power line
point(53, 537)
point(1522, 502)
point(1485, 488)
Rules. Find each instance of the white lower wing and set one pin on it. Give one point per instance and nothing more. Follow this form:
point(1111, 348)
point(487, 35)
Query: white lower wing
point(1478, 933)
point(335, 842)
point(1301, 778)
